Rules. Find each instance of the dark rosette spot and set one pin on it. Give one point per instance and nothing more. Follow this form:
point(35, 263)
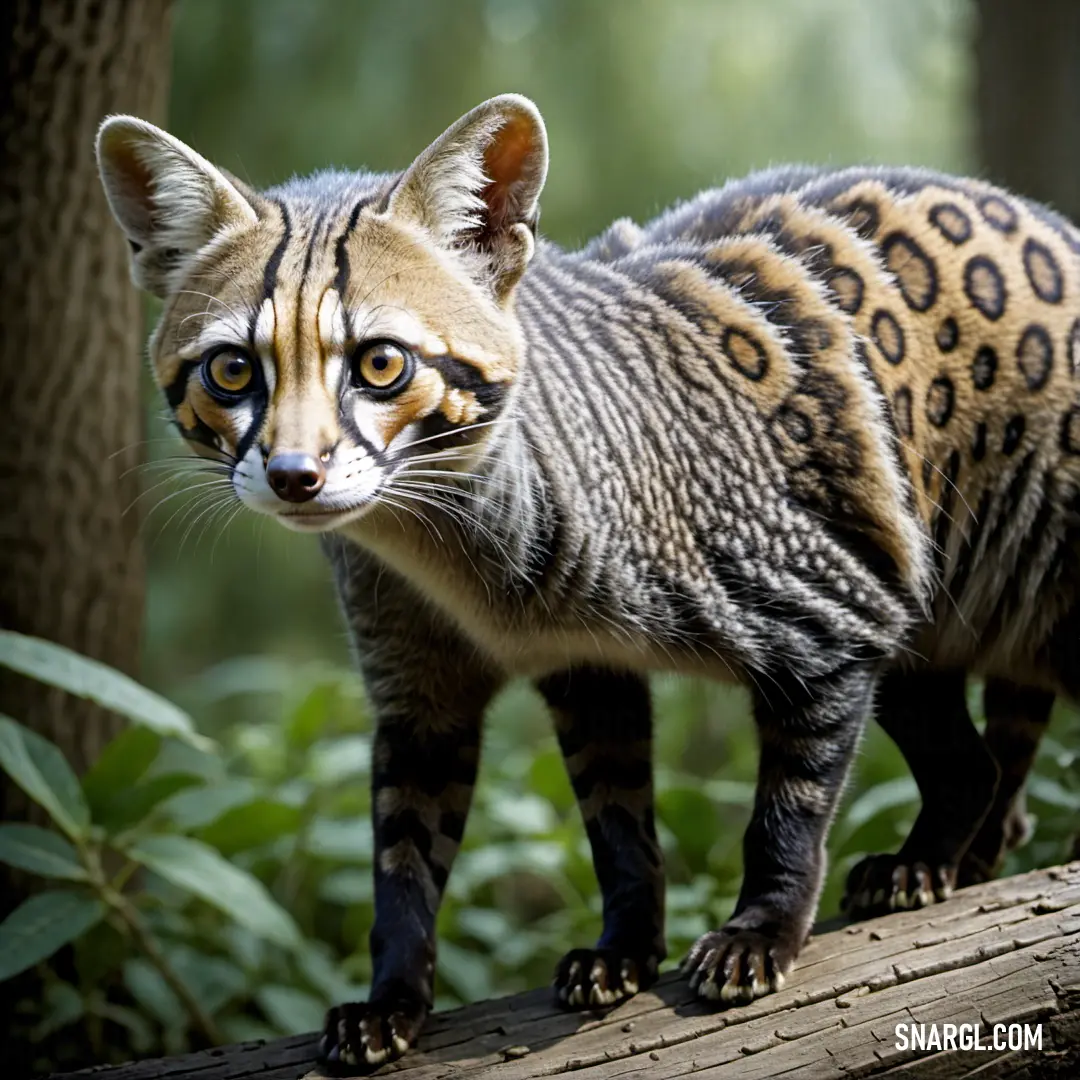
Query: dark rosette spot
point(863, 216)
point(1043, 272)
point(940, 398)
point(746, 353)
point(913, 269)
point(984, 368)
point(985, 287)
point(902, 412)
point(978, 441)
point(1014, 432)
point(888, 336)
point(799, 426)
point(951, 222)
point(1070, 431)
point(1074, 348)
point(847, 287)
point(1035, 356)
point(999, 213)
point(948, 335)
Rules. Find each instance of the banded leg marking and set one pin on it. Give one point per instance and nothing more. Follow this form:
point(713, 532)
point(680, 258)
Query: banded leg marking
point(604, 724)
point(422, 785)
point(808, 733)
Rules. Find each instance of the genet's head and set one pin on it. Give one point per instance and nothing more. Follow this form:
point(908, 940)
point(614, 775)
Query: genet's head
point(324, 337)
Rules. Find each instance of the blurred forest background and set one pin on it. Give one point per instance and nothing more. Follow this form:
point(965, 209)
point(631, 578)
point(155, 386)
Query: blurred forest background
point(646, 101)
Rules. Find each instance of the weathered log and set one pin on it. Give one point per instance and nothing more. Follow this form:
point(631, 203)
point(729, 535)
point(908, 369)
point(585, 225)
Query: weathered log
point(1003, 953)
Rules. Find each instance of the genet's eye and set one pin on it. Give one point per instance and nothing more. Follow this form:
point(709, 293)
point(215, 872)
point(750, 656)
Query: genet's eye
point(381, 366)
point(229, 371)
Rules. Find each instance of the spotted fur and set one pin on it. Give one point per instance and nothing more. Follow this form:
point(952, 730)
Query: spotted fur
point(815, 431)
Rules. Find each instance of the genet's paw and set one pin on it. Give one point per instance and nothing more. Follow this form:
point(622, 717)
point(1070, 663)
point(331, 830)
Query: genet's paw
point(360, 1037)
point(883, 883)
point(593, 978)
point(734, 964)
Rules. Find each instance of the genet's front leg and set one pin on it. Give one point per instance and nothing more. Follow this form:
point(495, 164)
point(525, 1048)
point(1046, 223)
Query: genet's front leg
point(428, 691)
point(604, 723)
point(808, 731)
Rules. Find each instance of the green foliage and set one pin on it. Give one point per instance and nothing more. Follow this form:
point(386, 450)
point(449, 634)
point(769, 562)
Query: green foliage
point(42, 924)
point(86, 678)
point(217, 896)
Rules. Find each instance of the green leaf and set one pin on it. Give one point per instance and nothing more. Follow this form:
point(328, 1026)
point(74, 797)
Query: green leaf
point(192, 865)
point(63, 1005)
point(877, 800)
point(129, 807)
point(196, 809)
point(521, 812)
point(347, 839)
point(213, 980)
point(39, 768)
point(1047, 790)
point(333, 760)
point(306, 722)
point(347, 887)
point(549, 779)
point(154, 995)
point(466, 971)
point(257, 822)
point(315, 962)
point(290, 1010)
point(79, 675)
point(120, 765)
point(41, 925)
point(692, 818)
point(41, 851)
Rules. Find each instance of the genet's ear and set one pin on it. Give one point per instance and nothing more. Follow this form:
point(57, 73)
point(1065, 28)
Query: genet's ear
point(476, 188)
point(169, 201)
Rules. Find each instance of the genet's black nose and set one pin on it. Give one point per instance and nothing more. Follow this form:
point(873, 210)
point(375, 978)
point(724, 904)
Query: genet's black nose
point(295, 477)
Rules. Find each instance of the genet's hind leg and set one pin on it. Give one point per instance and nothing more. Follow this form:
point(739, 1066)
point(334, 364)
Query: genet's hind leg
point(1016, 718)
point(604, 723)
point(925, 713)
point(809, 730)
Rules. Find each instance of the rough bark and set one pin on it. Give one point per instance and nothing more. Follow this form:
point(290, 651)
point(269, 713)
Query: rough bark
point(1028, 98)
point(1007, 952)
point(70, 352)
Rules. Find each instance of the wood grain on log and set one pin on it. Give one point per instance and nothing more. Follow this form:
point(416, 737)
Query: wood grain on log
point(1007, 952)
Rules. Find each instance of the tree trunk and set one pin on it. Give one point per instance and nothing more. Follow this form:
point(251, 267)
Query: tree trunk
point(70, 353)
point(1028, 98)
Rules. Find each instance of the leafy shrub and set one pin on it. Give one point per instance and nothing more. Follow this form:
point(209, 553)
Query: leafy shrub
point(220, 890)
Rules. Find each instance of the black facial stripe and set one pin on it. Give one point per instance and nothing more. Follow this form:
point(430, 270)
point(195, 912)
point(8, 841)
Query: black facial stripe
point(271, 272)
point(176, 391)
point(308, 255)
point(464, 376)
point(310, 252)
point(358, 438)
point(201, 432)
point(341, 256)
point(249, 436)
